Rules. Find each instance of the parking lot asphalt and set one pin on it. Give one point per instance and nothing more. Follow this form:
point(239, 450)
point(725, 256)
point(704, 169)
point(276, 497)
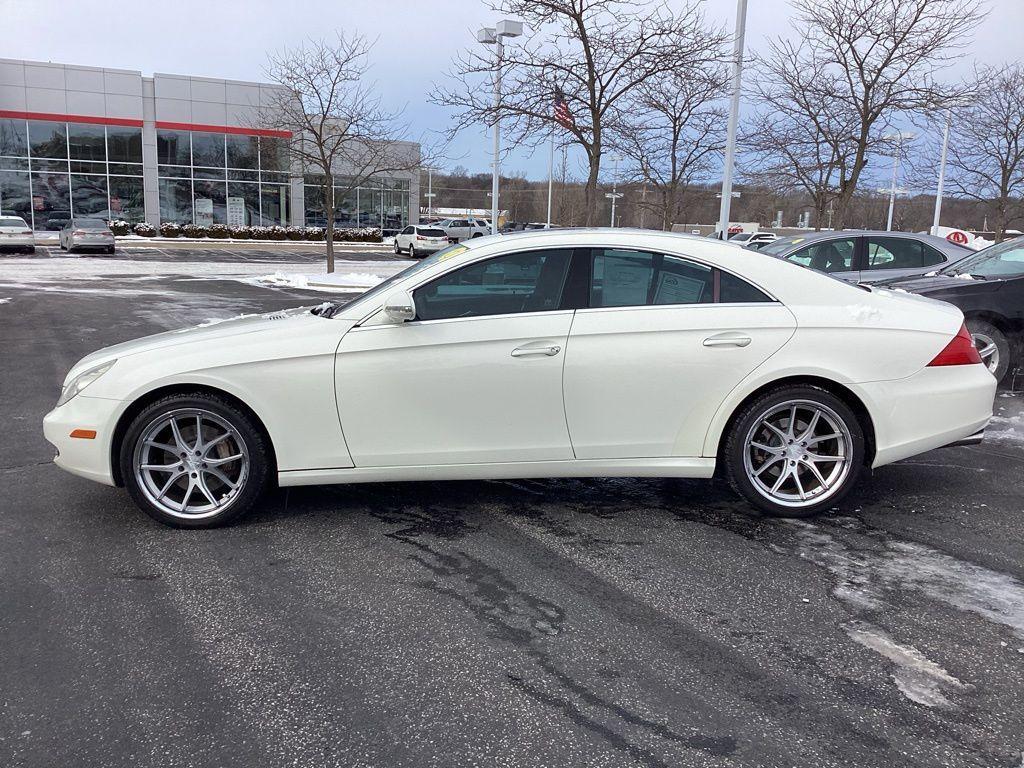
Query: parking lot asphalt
point(614, 622)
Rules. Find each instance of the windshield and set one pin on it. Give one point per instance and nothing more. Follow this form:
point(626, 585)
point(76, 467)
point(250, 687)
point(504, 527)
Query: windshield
point(740, 237)
point(782, 244)
point(1003, 260)
point(12, 223)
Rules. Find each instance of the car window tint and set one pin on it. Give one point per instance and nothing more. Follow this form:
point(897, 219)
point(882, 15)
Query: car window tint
point(734, 290)
point(900, 253)
point(407, 231)
point(829, 256)
point(529, 281)
point(430, 232)
point(12, 223)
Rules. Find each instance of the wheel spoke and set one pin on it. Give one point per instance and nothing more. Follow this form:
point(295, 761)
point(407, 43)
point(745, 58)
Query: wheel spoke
point(792, 423)
point(167, 486)
point(161, 446)
point(199, 433)
point(178, 439)
point(781, 479)
point(809, 432)
point(987, 350)
point(814, 458)
point(822, 438)
point(799, 485)
point(222, 477)
point(771, 462)
point(817, 474)
point(766, 448)
point(201, 485)
point(782, 435)
point(225, 460)
point(161, 467)
point(216, 441)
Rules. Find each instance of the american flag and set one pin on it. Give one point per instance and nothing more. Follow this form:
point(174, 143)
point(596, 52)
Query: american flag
point(562, 113)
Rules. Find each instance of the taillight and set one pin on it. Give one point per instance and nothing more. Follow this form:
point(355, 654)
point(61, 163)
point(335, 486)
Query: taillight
point(420, 237)
point(78, 232)
point(959, 351)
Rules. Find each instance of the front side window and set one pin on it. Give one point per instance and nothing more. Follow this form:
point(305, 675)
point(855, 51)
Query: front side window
point(829, 256)
point(529, 281)
point(900, 253)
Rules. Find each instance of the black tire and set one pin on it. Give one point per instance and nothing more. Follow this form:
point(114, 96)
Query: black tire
point(30, 249)
point(412, 251)
point(477, 234)
point(1004, 351)
point(744, 423)
point(257, 476)
point(110, 250)
point(397, 249)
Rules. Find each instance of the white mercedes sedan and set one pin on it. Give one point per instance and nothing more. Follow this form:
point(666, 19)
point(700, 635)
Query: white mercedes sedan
point(564, 353)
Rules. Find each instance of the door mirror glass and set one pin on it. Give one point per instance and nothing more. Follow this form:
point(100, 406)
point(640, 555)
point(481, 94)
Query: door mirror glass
point(399, 307)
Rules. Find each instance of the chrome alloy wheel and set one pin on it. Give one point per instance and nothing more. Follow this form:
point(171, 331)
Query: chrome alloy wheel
point(191, 463)
point(798, 453)
point(988, 349)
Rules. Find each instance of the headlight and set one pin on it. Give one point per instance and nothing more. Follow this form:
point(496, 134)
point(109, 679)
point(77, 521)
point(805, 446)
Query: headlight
point(83, 380)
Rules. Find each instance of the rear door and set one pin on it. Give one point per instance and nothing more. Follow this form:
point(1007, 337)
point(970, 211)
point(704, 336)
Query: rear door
point(888, 257)
point(661, 343)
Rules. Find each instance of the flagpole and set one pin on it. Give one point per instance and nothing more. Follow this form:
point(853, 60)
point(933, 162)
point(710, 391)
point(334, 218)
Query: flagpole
point(551, 174)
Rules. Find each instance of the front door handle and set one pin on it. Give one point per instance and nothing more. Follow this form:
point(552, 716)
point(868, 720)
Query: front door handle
point(551, 351)
point(727, 340)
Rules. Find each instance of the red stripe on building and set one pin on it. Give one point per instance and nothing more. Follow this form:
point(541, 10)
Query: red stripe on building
point(223, 129)
point(14, 115)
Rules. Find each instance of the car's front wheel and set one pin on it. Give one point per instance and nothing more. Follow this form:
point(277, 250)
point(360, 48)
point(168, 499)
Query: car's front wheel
point(194, 461)
point(397, 249)
point(794, 451)
point(993, 346)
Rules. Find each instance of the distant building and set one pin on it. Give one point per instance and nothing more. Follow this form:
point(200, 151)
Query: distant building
point(111, 143)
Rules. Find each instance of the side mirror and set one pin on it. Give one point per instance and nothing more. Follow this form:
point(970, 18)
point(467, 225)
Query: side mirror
point(399, 307)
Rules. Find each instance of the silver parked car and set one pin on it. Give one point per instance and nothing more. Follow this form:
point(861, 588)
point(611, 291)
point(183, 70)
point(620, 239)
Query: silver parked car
point(87, 233)
point(865, 256)
point(16, 234)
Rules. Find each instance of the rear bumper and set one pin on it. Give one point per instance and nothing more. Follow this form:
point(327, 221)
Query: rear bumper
point(86, 458)
point(934, 408)
point(974, 439)
point(17, 241)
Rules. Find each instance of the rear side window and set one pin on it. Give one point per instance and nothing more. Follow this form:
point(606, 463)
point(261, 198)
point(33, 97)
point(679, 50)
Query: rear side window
point(622, 278)
point(900, 253)
point(829, 256)
point(529, 281)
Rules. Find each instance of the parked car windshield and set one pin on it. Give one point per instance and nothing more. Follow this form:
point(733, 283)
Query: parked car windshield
point(12, 223)
point(90, 224)
point(782, 244)
point(1003, 260)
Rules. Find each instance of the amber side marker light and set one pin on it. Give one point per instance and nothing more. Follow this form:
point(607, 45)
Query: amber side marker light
point(85, 434)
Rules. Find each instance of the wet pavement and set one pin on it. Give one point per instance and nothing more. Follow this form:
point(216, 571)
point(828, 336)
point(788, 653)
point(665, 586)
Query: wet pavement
point(521, 623)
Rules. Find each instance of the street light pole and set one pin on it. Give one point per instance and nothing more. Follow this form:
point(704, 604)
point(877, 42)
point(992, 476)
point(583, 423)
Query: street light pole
point(942, 174)
point(430, 192)
point(488, 36)
point(734, 116)
point(614, 194)
point(898, 137)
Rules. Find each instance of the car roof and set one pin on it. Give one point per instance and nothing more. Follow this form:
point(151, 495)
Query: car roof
point(940, 243)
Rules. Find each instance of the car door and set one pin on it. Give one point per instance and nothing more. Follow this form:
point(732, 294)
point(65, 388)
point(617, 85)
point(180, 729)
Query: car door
point(838, 256)
point(889, 257)
point(475, 378)
point(404, 239)
point(660, 345)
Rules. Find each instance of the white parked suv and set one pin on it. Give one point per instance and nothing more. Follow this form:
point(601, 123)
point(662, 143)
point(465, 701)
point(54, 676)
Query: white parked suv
point(418, 240)
point(464, 229)
point(16, 234)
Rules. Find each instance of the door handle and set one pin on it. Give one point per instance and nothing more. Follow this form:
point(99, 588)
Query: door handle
point(727, 340)
point(551, 351)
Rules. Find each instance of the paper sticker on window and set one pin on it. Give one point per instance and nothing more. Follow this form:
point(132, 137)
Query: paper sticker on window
point(676, 289)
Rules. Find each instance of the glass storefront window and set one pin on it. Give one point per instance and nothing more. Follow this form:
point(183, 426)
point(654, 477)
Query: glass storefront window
point(50, 166)
point(209, 202)
point(87, 142)
point(273, 154)
point(89, 196)
point(208, 149)
point(369, 207)
point(51, 200)
point(14, 195)
point(173, 147)
point(124, 169)
point(48, 139)
point(13, 140)
point(176, 200)
point(127, 200)
point(80, 166)
point(124, 144)
point(243, 151)
point(243, 207)
point(275, 200)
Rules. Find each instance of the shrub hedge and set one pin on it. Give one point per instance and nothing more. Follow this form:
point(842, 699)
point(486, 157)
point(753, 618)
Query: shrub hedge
point(220, 231)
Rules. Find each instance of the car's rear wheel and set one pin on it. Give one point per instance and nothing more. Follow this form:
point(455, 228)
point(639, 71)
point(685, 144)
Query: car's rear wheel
point(412, 251)
point(194, 461)
point(794, 451)
point(993, 346)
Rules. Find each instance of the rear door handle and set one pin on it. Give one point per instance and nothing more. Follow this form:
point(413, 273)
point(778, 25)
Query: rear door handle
point(727, 340)
point(550, 351)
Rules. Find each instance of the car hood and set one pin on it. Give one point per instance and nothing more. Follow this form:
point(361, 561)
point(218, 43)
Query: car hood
point(209, 331)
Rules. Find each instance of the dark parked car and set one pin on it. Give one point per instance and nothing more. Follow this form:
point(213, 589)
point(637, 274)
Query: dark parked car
point(864, 256)
point(989, 288)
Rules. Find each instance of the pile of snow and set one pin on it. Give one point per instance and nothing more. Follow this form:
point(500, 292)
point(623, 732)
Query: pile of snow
point(5, 301)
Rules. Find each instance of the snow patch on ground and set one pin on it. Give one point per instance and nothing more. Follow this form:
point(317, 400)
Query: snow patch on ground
point(5, 301)
point(917, 677)
point(347, 281)
point(1008, 428)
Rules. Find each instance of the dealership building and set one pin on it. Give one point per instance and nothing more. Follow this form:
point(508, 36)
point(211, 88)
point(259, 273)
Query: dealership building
point(111, 143)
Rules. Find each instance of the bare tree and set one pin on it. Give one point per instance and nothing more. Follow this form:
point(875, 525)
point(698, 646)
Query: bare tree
point(597, 52)
point(859, 67)
point(672, 134)
point(338, 130)
point(986, 145)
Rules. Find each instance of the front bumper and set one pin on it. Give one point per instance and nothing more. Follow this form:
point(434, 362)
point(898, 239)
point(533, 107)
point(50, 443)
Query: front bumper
point(86, 458)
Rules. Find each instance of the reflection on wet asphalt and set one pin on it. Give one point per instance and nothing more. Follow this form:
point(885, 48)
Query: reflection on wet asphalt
point(606, 622)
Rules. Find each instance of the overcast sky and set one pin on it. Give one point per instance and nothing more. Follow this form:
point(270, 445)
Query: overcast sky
point(414, 43)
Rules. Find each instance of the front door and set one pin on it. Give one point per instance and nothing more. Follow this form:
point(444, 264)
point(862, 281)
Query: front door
point(475, 378)
point(662, 344)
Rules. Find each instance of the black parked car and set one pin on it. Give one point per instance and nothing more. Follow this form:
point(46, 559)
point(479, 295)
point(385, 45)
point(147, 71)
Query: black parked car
point(989, 288)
